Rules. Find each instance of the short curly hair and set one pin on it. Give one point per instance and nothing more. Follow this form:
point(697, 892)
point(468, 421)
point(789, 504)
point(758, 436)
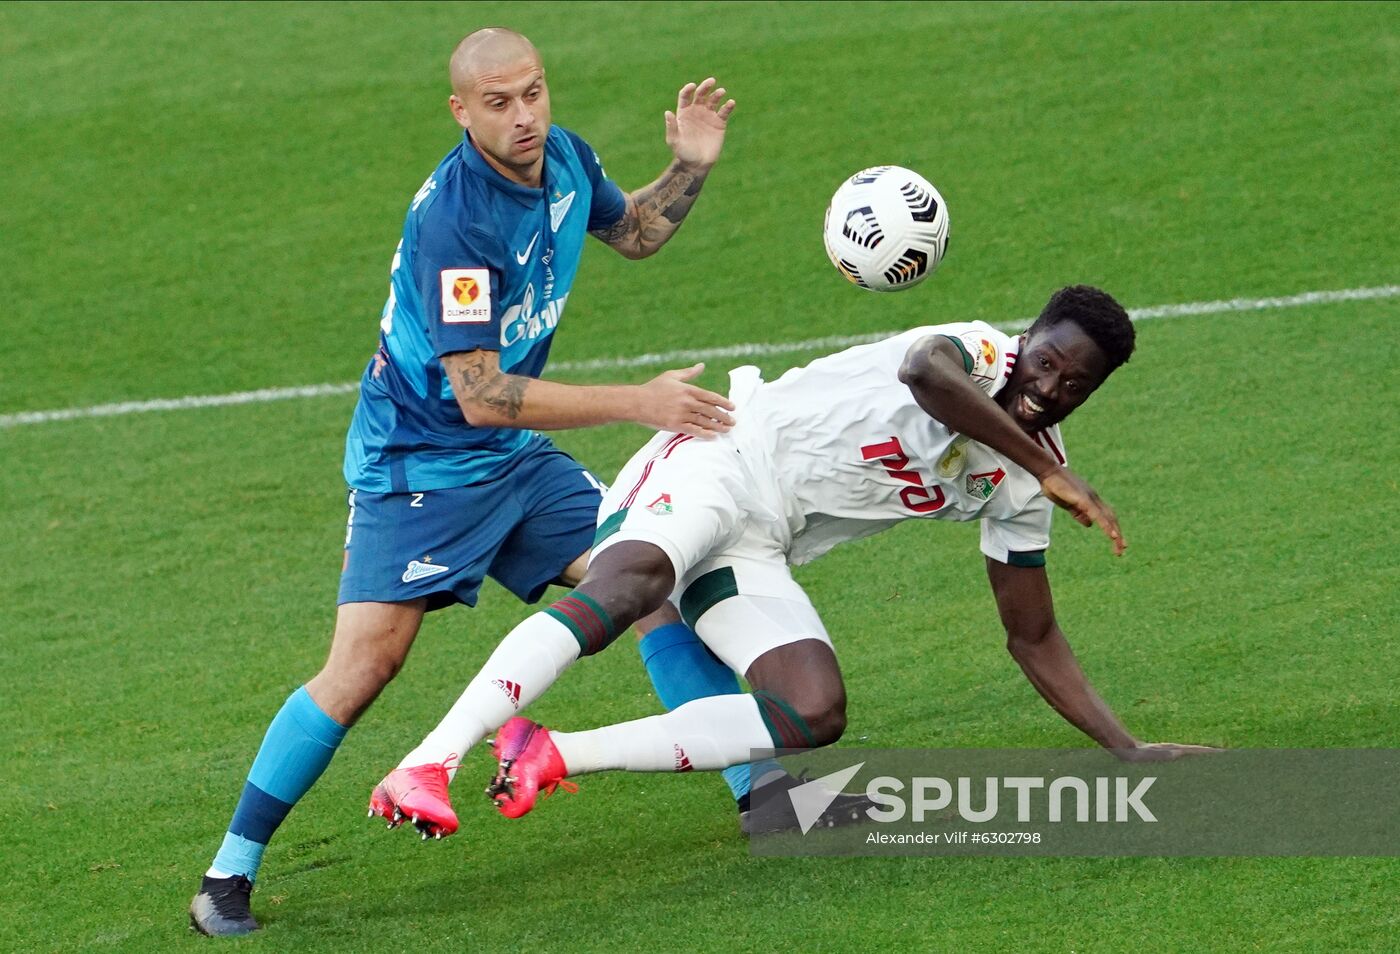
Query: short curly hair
point(1098, 316)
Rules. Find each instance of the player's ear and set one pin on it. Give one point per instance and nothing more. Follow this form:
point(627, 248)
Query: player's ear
point(459, 111)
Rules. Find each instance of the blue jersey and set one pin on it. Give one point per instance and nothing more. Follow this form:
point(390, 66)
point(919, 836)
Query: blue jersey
point(484, 263)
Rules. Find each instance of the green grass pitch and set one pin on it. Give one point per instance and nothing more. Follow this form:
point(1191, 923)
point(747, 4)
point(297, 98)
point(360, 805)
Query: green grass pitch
point(202, 199)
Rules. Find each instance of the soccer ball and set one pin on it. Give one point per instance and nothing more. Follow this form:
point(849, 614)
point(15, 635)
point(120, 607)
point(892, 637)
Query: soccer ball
point(886, 228)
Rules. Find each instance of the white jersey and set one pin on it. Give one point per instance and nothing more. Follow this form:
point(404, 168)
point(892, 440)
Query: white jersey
point(851, 453)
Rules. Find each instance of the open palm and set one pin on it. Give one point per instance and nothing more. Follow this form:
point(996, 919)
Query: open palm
point(695, 131)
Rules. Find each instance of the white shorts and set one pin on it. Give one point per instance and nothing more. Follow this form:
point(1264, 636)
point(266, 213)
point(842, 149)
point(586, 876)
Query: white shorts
point(725, 535)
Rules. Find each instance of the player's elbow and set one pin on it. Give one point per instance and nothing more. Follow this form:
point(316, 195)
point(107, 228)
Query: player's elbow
point(928, 373)
point(926, 369)
point(914, 371)
point(1023, 642)
point(478, 414)
point(474, 415)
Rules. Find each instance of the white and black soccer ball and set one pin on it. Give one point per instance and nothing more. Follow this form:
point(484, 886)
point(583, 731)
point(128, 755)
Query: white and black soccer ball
point(886, 228)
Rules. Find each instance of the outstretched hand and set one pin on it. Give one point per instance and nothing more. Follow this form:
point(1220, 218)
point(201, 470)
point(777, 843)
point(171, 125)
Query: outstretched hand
point(668, 403)
point(1064, 488)
point(695, 131)
point(1162, 751)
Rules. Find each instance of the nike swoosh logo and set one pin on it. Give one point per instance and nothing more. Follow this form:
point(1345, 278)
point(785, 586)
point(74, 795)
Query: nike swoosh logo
point(557, 211)
point(522, 257)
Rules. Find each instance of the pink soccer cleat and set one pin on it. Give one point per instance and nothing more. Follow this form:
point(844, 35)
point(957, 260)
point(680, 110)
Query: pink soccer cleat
point(417, 794)
point(528, 764)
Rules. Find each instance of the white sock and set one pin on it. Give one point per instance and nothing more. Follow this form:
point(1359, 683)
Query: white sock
point(524, 665)
point(706, 734)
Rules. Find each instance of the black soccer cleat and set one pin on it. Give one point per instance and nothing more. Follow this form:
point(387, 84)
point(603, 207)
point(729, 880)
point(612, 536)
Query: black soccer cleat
point(774, 813)
point(221, 908)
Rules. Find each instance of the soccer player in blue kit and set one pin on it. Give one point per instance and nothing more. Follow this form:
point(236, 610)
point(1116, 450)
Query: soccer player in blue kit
point(449, 480)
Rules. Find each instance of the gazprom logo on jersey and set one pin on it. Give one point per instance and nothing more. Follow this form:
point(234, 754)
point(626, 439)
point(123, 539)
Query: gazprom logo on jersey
point(523, 323)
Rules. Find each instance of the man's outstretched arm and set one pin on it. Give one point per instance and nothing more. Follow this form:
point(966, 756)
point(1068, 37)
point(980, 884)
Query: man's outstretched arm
point(1035, 641)
point(695, 133)
point(934, 373)
point(490, 397)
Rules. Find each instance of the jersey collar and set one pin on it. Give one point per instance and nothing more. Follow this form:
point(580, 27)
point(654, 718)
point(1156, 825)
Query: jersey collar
point(477, 164)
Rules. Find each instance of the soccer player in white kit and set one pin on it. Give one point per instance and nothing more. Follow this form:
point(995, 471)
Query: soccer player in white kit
point(953, 422)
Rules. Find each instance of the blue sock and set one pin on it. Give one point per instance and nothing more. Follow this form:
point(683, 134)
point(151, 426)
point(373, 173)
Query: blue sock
point(683, 669)
point(296, 750)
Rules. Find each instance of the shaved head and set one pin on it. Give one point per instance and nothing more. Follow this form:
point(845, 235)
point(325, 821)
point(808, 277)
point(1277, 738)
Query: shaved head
point(487, 50)
point(500, 98)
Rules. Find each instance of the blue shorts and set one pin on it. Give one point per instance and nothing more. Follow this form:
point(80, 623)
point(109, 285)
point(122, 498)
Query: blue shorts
point(522, 528)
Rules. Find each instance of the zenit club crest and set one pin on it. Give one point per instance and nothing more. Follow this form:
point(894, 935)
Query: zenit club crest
point(417, 570)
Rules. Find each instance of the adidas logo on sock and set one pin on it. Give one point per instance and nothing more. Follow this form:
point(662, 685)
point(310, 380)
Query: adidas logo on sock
point(682, 760)
point(511, 689)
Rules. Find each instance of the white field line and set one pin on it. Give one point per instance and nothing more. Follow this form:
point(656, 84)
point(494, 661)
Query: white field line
point(747, 350)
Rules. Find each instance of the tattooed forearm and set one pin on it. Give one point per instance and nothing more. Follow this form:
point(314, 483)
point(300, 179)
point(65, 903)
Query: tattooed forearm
point(622, 232)
point(477, 379)
point(670, 197)
point(504, 394)
point(654, 212)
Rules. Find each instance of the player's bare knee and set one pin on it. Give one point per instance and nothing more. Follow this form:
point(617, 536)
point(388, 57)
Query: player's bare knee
point(803, 682)
point(380, 670)
point(642, 590)
point(347, 686)
point(826, 721)
point(630, 580)
point(360, 678)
